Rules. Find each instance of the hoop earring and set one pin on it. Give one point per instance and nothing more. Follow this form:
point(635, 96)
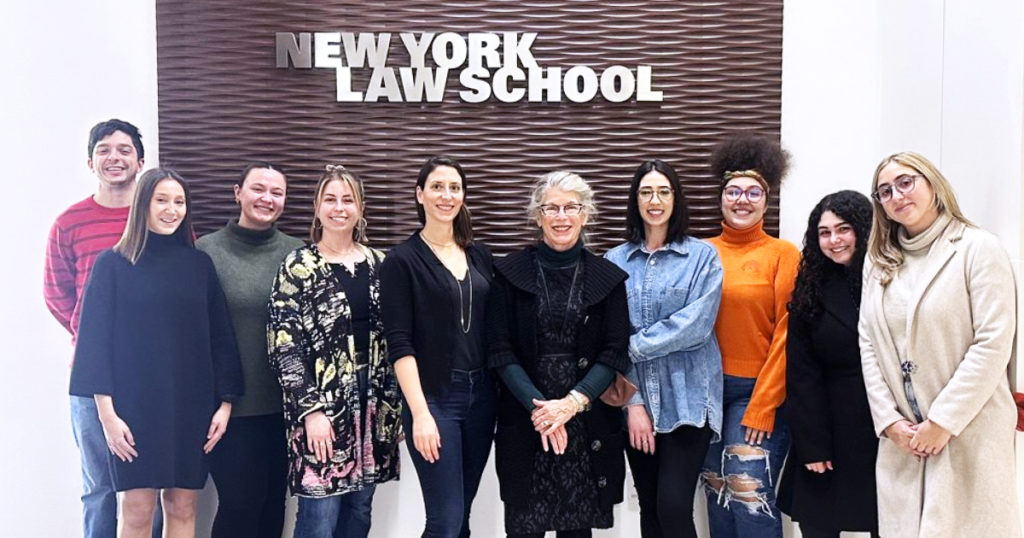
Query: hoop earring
point(360, 230)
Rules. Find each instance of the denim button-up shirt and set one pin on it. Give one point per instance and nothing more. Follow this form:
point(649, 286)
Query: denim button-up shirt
point(674, 295)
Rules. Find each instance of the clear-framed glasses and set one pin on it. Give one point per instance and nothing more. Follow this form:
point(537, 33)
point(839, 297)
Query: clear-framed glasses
point(646, 194)
point(754, 194)
point(904, 184)
point(570, 210)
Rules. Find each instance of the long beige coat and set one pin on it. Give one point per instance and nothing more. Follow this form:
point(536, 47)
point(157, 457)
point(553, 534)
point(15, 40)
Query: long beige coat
point(961, 331)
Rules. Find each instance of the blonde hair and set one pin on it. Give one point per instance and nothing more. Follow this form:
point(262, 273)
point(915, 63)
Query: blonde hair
point(337, 172)
point(883, 245)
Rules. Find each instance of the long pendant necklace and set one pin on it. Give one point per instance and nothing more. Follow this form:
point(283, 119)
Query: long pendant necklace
point(465, 319)
point(568, 300)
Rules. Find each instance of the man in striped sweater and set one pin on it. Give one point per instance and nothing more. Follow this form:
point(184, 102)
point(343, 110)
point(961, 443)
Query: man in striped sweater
point(78, 235)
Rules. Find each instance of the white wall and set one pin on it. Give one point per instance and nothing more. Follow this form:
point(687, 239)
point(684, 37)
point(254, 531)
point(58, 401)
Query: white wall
point(67, 65)
point(860, 80)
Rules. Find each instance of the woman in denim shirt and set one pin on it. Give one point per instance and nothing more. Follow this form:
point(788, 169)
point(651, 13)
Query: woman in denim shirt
point(674, 289)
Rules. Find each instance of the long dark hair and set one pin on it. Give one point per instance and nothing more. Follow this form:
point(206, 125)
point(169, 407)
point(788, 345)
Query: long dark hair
point(678, 223)
point(854, 208)
point(462, 228)
point(136, 231)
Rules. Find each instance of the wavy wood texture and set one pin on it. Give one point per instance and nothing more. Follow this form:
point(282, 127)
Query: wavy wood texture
point(223, 104)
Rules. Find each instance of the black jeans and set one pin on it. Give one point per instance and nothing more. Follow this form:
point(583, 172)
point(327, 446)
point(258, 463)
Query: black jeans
point(465, 415)
point(249, 467)
point(666, 481)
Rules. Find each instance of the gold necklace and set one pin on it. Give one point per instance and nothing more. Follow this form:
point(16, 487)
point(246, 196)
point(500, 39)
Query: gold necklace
point(464, 323)
point(438, 245)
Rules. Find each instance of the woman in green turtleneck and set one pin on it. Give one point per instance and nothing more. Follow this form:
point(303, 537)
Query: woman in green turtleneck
point(249, 466)
point(558, 328)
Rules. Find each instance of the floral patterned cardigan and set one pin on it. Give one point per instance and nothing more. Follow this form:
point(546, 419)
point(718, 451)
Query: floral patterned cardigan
point(312, 350)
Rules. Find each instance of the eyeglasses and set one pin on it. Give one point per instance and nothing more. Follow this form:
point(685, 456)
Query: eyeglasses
point(646, 194)
point(552, 210)
point(753, 194)
point(904, 184)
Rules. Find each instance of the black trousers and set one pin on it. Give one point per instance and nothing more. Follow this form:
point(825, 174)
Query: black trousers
point(666, 481)
point(249, 467)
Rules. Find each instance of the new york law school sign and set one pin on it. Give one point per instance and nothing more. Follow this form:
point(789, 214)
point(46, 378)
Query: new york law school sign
point(495, 65)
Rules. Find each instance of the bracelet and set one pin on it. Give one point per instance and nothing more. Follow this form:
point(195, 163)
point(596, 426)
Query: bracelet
point(577, 399)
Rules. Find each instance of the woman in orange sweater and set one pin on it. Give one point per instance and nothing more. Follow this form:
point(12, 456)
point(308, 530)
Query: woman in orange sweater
point(741, 470)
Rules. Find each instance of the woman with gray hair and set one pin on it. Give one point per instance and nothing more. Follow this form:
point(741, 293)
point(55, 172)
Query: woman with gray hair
point(558, 328)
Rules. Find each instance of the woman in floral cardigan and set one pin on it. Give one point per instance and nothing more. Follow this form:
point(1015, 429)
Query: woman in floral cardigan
point(341, 398)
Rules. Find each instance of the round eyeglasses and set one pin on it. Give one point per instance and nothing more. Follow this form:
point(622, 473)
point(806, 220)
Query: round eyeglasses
point(904, 184)
point(646, 194)
point(753, 194)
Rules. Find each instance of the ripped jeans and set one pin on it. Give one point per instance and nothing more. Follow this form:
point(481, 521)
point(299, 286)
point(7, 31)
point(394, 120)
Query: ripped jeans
point(742, 504)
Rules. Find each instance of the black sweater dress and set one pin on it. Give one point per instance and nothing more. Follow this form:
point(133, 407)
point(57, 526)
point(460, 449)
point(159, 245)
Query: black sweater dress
point(157, 337)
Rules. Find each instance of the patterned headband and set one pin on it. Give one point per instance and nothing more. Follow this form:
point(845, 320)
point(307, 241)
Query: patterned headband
point(753, 174)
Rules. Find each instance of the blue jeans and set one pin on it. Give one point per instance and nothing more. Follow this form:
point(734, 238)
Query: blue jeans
point(99, 499)
point(338, 516)
point(739, 479)
point(465, 416)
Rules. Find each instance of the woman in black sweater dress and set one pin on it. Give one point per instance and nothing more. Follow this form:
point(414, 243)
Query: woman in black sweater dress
point(829, 483)
point(157, 351)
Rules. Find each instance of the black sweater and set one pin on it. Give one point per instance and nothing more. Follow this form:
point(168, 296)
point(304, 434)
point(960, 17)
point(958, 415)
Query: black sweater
point(419, 311)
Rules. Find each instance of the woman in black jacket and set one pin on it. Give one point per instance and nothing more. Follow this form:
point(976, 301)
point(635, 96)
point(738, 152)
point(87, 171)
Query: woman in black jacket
point(558, 329)
point(829, 485)
point(434, 289)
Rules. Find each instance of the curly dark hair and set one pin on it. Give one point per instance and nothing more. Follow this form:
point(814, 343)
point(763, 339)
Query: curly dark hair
point(750, 151)
point(815, 267)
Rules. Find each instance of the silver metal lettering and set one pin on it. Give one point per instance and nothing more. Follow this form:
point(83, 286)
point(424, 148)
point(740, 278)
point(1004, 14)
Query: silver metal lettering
point(300, 52)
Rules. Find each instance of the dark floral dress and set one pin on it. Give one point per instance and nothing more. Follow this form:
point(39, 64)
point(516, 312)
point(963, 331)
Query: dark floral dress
point(312, 350)
point(563, 495)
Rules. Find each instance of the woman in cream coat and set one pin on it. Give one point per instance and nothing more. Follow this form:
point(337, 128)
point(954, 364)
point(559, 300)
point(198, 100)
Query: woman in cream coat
point(937, 324)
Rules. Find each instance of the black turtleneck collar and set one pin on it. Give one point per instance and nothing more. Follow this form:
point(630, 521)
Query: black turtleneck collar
point(554, 259)
point(162, 241)
point(250, 236)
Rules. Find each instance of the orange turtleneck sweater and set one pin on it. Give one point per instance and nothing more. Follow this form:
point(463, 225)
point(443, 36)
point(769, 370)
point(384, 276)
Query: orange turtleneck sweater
point(760, 272)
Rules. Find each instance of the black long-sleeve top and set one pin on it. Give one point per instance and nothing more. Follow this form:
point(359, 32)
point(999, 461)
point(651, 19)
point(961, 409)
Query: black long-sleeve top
point(420, 314)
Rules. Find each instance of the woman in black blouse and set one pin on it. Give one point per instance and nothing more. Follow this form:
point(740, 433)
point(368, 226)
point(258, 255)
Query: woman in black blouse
point(829, 483)
point(558, 327)
point(434, 289)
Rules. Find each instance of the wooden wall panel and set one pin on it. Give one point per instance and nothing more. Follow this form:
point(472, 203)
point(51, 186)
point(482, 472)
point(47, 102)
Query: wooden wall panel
point(223, 103)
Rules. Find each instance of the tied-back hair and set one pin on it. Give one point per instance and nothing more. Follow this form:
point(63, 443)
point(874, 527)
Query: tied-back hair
point(749, 155)
point(562, 180)
point(884, 245)
point(337, 172)
point(133, 241)
point(462, 228)
point(678, 223)
point(261, 165)
point(815, 267)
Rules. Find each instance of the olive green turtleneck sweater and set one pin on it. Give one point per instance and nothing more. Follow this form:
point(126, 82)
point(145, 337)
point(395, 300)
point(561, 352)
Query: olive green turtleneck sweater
point(247, 262)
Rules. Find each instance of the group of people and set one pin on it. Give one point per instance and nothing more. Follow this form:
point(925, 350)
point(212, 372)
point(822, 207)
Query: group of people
point(876, 360)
